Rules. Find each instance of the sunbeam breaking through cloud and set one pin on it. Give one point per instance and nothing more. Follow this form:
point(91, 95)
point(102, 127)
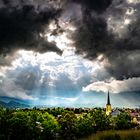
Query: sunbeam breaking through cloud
point(64, 52)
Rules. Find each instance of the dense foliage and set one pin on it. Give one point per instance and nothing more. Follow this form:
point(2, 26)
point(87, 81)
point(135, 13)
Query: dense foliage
point(57, 123)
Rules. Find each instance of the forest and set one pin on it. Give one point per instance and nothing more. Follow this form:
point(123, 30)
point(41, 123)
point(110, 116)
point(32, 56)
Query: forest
point(59, 123)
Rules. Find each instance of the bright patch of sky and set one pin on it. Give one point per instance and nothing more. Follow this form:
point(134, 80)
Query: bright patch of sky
point(47, 73)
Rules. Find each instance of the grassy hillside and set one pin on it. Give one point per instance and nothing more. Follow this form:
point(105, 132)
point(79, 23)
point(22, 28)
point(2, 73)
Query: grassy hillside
point(115, 135)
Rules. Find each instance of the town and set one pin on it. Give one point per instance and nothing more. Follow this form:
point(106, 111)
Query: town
point(67, 123)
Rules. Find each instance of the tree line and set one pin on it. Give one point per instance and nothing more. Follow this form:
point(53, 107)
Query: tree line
point(57, 123)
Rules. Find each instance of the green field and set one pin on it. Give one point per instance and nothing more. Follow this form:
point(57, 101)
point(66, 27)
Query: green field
point(115, 135)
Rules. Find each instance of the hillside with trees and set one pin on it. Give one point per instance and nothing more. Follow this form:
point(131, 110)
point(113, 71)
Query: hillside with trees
point(58, 123)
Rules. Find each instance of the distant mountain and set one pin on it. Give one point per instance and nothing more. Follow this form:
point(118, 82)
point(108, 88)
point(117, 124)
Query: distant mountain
point(88, 99)
point(8, 99)
point(13, 104)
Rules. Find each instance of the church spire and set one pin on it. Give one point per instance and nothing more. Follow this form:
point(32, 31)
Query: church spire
point(108, 105)
point(108, 99)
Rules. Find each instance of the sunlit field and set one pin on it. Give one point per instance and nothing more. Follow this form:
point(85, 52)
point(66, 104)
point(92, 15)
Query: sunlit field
point(115, 135)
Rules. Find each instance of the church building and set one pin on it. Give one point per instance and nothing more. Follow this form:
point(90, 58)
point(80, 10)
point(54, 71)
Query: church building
point(108, 105)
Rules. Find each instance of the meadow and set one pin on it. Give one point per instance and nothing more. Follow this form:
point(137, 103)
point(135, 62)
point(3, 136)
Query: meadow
point(115, 135)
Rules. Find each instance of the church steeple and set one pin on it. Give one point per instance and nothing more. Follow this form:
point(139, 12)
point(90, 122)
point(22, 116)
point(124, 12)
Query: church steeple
point(108, 99)
point(108, 105)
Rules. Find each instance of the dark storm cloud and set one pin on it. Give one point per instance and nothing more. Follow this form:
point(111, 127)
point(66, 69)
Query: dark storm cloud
point(92, 37)
point(118, 40)
point(20, 24)
point(119, 45)
point(98, 6)
point(124, 64)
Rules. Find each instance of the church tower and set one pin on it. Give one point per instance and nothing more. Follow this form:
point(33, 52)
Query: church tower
point(108, 105)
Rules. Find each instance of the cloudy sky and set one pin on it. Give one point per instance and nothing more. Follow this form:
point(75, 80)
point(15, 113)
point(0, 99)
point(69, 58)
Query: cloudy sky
point(70, 52)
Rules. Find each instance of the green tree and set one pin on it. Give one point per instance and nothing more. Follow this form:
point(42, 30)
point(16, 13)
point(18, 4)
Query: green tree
point(48, 125)
point(67, 120)
point(101, 120)
point(85, 125)
point(19, 126)
point(2, 120)
point(2, 113)
point(33, 119)
point(123, 121)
